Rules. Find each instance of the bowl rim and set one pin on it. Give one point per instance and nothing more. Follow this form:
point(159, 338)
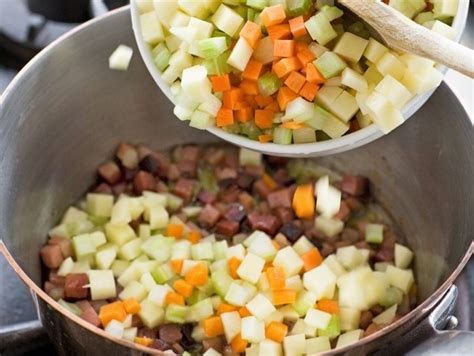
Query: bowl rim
point(340, 144)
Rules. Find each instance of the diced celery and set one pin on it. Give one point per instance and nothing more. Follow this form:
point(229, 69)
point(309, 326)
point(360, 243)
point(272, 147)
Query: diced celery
point(304, 135)
point(331, 12)
point(221, 282)
point(333, 329)
point(227, 20)
point(251, 14)
point(251, 130)
point(268, 84)
point(162, 58)
point(282, 136)
point(176, 313)
point(158, 247)
point(73, 308)
point(304, 301)
point(196, 297)
point(374, 233)
point(320, 29)
point(330, 64)
point(257, 4)
point(212, 47)
point(201, 120)
point(202, 251)
point(163, 273)
point(298, 7)
point(201, 310)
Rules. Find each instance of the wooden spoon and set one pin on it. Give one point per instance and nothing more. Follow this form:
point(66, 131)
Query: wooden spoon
point(401, 33)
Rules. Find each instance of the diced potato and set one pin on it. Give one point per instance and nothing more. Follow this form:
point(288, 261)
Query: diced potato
point(151, 314)
point(350, 318)
point(403, 256)
point(303, 245)
point(329, 227)
point(390, 64)
point(119, 234)
point(349, 257)
point(231, 322)
point(344, 107)
point(321, 281)
point(349, 338)
point(400, 278)
point(102, 284)
point(133, 290)
point(394, 91)
point(251, 268)
point(351, 47)
point(374, 50)
point(334, 265)
point(105, 257)
point(240, 55)
point(260, 307)
point(317, 345)
point(227, 20)
point(294, 344)
point(317, 318)
point(384, 114)
point(288, 259)
point(100, 204)
point(386, 316)
point(270, 348)
point(354, 80)
point(152, 32)
point(252, 329)
point(301, 327)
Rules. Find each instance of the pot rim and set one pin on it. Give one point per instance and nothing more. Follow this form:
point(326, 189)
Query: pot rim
point(418, 312)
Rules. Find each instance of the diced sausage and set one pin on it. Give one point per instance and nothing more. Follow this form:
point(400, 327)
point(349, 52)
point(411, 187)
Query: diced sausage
point(365, 319)
point(146, 332)
point(245, 181)
point(327, 249)
point(387, 248)
point(264, 222)
point(226, 183)
point(256, 171)
point(353, 203)
point(161, 187)
point(52, 256)
point(75, 286)
point(208, 216)
point(214, 156)
point(143, 181)
point(129, 174)
point(103, 188)
point(64, 243)
point(176, 347)
point(230, 194)
point(206, 196)
point(344, 212)
point(340, 244)
point(246, 200)
point(354, 185)
point(231, 160)
point(261, 188)
point(150, 164)
point(184, 188)
point(362, 245)
point(226, 173)
point(361, 224)
point(97, 304)
point(143, 151)
point(227, 227)
point(377, 309)
point(136, 321)
point(119, 188)
point(404, 307)
point(188, 168)
point(279, 199)
point(55, 279)
point(235, 212)
point(276, 161)
point(173, 172)
point(372, 328)
point(159, 345)
point(284, 214)
point(128, 155)
point(190, 153)
point(216, 343)
point(263, 207)
point(163, 164)
point(222, 207)
point(110, 172)
point(48, 286)
point(281, 176)
point(170, 333)
point(291, 231)
point(350, 234)
point(228, 351)
point(88, 313)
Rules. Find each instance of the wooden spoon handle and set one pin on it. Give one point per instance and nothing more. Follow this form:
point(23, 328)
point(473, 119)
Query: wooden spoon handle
point(403, 34)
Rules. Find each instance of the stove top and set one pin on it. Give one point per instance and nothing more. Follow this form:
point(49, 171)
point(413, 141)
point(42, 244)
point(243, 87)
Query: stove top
point(25, 34)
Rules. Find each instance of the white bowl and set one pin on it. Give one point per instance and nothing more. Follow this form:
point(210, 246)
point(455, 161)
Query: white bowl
point(341, 144)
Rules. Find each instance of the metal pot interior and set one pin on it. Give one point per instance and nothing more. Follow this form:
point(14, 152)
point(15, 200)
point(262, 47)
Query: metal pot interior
point(67, 112)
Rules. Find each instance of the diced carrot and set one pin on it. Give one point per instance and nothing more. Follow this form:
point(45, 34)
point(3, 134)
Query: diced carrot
point(225, 117)
point(175, 230)
point(112, 311)
point(244, 114)
point(297, 27)
point(131, 306)
point(276, 331)
point(198, 275)
point(273, 106)
point(183, 287)
point(285, 95)
point(303, 201)
point(313, 75)
point(276, 244)
point(309, 91)
point(264, 138)
point(295, 81)
point(145, 341)
point(226, 308)
point(252, 33)
point(279, 32)
point(264, 118)
point(174, 298)
point(328, 305)
point(300, 46)
point(194, 236)
point(240, 105)
point(238, 344)
point(220, 82)
point(305, 56)
point(267, 265)
point(249, 87)
point(231, 97)
point(284, 296)
point(250, 99)
point(284, 48)
point(234, 264)
point(276, 278)
point(252, 70)
point(292, 125)
point(311, 259)
point(244, 312)
point(213, 326)
point(273, 15)
point(269, 182)
point(263, 101)
point(285, 66)
point(176, 265)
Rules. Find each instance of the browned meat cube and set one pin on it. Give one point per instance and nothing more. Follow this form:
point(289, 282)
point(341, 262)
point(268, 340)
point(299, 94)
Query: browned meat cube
point(206, 196)
point(75, 286)
point(261, 188)
point(52, 256)
point(245, 181)
point(184, 188)
point(226, 173)
point(230, 194)
point(264, 222)
point(173, 172)
point(146, 332)
point(190, 153)
point(188, 168)
point(103, 188)
point(228, 351)
point(344, 212)
point(170, 333)
point(235, 212)
point(55, 279)
point(255, 171)
point(285, 214)
point(110, 172)
point(372, 328)
point(246, 200)
point(227, 227)
point(208, 216)
point(144, 181)
point(292, 231)
point(150, 164)
point(279, 199)
point(64, 243)
point(159, 345)
point(143, 151)
point(128, 155)
point(365, 319)
point(216, 343)
point(163, 164)
point(354, 185)
point(88, 313)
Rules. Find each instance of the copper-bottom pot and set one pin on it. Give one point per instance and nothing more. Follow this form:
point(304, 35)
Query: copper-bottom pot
point(66, 111)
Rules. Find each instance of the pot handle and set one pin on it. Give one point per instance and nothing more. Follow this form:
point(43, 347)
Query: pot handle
point(17, 339)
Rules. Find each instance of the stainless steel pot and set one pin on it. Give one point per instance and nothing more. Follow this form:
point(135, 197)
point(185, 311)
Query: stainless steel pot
point(66, 111)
